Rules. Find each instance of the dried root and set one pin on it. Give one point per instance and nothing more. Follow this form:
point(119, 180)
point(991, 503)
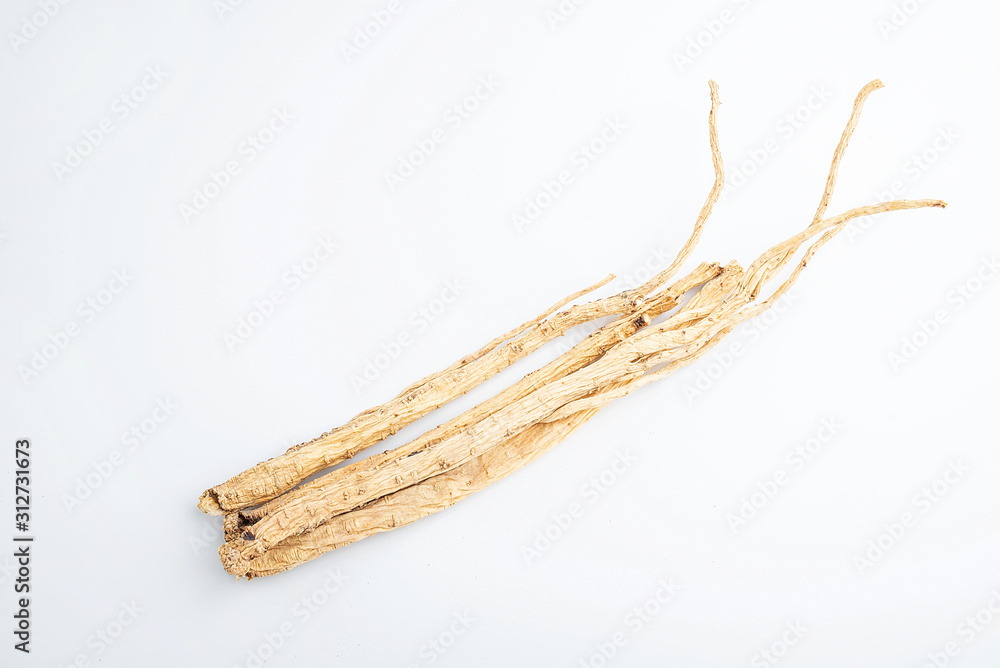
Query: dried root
point(274, 522)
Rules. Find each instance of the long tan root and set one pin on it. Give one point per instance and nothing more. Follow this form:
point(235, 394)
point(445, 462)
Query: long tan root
point(274, 522)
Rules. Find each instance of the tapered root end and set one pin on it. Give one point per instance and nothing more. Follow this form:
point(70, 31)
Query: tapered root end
point(924, 203)
point(208, 503)
point(233, 561)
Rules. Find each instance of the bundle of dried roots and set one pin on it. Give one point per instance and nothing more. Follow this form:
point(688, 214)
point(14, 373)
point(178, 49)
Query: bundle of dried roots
point(275, 521)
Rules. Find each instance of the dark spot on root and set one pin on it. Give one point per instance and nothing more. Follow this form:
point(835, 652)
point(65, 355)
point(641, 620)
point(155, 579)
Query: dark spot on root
point(248, 535)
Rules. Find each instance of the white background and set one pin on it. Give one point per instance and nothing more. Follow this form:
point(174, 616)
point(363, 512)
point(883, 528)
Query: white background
point(137, 536)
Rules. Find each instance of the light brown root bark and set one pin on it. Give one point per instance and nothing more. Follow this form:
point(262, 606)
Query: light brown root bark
point(272, 525)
